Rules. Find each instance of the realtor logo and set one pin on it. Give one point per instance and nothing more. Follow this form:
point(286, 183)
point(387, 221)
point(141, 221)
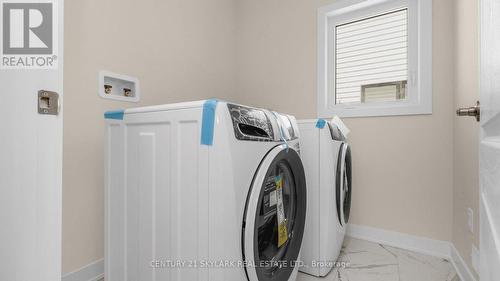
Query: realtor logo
point(28, 35)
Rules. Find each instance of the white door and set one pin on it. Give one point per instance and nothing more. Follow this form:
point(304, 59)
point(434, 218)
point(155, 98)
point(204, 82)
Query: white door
point(30, 143)
point(489, 162)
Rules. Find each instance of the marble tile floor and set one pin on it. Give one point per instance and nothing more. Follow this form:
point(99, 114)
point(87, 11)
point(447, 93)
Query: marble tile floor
point(368, 261)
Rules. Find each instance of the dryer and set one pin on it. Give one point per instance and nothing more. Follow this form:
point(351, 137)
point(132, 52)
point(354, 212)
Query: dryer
point(204, 190)
point(327, 162)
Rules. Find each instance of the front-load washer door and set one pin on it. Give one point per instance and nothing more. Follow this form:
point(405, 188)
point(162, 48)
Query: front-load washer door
point(274, 217)
point(343, 184)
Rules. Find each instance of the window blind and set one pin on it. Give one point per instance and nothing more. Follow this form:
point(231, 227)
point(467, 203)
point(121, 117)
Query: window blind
point(368, 52)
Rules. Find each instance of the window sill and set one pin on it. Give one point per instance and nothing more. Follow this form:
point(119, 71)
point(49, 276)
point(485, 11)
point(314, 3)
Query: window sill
point(373, 110)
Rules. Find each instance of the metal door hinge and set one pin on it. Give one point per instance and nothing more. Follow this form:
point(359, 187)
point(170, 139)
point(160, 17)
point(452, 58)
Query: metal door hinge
point(48, 102)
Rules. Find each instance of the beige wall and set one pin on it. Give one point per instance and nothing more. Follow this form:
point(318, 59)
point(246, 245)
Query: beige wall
point(402, 165)
point(263, 53)
point(466, 179)
point(180, 50)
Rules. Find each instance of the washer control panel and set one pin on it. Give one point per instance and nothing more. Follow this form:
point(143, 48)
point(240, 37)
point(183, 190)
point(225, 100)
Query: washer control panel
point(250, 124)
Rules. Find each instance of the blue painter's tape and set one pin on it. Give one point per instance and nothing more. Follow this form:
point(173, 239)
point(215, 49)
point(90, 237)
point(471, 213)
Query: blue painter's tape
point(115, 114)
point(208, 122)
point(320, 124)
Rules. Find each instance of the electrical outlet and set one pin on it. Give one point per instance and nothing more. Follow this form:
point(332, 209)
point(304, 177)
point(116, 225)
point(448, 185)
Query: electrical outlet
point(475, 258)
point(470, 219)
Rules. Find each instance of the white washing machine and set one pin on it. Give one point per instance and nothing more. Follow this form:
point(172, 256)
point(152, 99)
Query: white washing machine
point(203, 190)
point(327, 162)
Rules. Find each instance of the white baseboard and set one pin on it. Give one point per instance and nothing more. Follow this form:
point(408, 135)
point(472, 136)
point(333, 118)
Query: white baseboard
point(413, 243)
point(91, 272)
point(437, 248)
point(463, 270)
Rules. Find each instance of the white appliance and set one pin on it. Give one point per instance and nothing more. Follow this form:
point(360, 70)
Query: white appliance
point(203, 190)
point(327, 162)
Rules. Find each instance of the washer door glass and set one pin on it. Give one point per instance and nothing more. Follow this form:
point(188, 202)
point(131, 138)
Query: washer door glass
point(279, 217)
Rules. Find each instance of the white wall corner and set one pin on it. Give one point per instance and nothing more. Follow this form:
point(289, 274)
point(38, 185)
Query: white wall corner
point(91, 272)
point(436, 248)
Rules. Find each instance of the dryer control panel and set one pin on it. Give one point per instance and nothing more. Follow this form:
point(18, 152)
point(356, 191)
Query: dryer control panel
point(336, 133)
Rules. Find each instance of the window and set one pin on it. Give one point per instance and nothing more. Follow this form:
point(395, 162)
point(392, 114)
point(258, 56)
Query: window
point(375, 58)
point(371, 58)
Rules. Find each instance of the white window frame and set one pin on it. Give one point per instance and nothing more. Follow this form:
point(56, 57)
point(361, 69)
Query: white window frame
point(419, 98)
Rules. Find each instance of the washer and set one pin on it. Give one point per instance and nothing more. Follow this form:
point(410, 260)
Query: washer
point(327, 161)
point(203, 190)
